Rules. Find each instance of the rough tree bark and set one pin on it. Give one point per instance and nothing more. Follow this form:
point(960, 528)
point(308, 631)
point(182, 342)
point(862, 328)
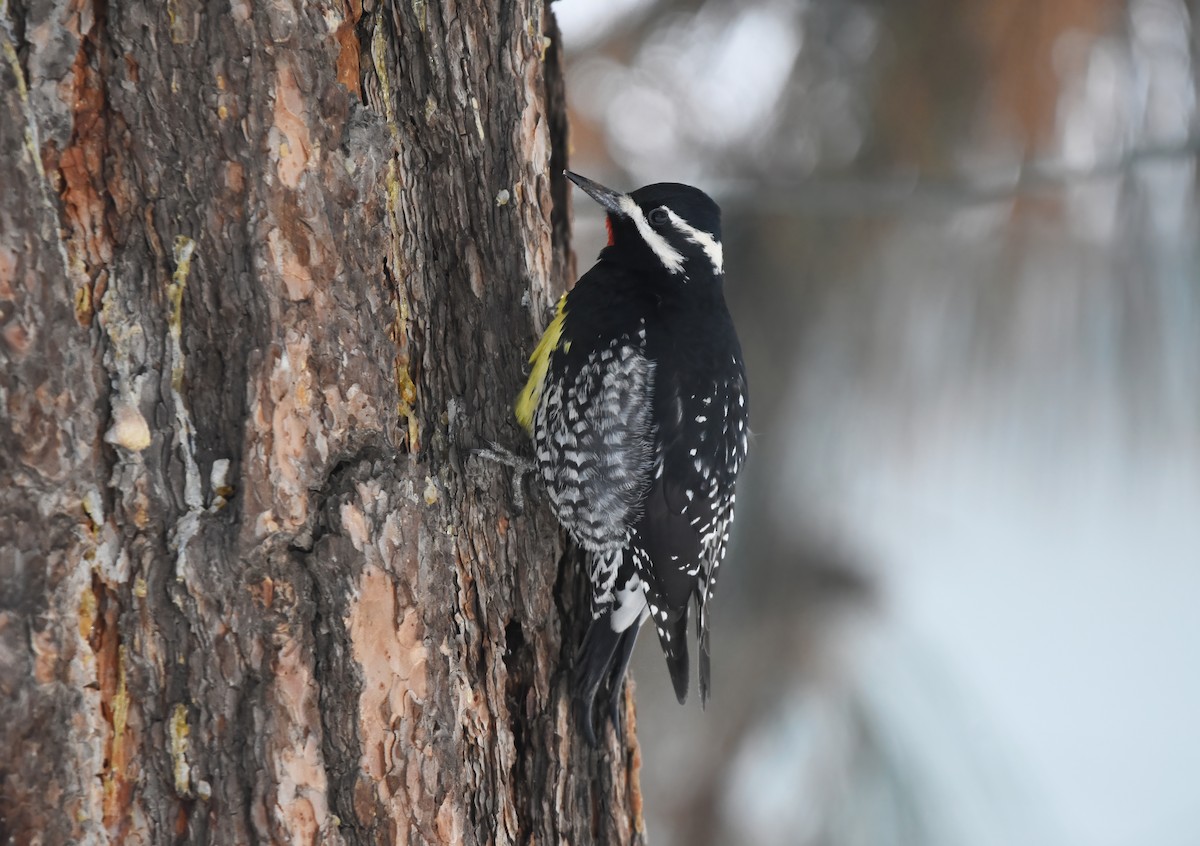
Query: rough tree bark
point(267, 273)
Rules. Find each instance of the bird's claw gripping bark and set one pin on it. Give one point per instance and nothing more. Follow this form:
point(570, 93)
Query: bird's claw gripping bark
point(521, 468)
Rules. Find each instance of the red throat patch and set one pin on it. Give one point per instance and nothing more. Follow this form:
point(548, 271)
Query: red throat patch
point(608, 226)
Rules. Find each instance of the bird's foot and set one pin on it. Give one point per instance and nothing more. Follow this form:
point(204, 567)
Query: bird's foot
point(521, 468)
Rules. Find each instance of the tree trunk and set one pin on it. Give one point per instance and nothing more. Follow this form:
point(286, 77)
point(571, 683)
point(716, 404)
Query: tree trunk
point(267, 273)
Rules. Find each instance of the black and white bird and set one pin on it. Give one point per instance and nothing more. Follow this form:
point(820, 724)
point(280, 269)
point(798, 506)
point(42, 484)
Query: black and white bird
point(637, 408)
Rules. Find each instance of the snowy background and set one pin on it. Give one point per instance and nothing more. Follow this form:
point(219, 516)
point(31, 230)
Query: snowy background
point(963, 252)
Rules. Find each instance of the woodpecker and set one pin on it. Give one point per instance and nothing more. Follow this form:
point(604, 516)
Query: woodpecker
point(637, 407)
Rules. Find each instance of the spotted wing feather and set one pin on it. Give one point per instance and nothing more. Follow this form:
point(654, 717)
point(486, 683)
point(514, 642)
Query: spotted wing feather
point(684, 528)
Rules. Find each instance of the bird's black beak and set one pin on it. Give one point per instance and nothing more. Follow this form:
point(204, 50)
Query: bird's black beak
point(606, 197)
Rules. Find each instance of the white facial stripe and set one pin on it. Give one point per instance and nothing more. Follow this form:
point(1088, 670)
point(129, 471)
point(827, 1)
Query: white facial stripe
point(671, 258)
point(706, 242)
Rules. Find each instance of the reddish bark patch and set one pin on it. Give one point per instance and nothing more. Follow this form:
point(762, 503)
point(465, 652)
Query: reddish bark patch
point(81, 166)
point(348, 73)
point(99, 609)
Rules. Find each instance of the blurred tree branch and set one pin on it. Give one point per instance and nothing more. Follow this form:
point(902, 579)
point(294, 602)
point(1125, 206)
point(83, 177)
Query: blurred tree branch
point(886, 193)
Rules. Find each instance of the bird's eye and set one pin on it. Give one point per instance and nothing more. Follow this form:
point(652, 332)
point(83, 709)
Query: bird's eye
point(659, 217)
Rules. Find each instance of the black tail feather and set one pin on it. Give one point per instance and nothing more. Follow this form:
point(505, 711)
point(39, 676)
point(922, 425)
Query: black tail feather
point(705, 671)
point(672, 635)
point(603, 656)
point(617, 679)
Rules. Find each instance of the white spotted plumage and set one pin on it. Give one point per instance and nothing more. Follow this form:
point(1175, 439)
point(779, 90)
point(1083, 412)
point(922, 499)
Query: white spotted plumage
point(636, 406)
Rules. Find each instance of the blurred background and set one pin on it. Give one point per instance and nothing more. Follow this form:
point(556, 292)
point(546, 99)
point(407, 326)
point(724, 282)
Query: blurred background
point(963, 250)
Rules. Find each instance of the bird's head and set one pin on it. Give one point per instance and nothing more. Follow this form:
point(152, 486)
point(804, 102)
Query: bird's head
point(666, 225)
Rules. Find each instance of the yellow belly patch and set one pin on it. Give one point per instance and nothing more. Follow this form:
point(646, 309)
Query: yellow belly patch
point(531, 394)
